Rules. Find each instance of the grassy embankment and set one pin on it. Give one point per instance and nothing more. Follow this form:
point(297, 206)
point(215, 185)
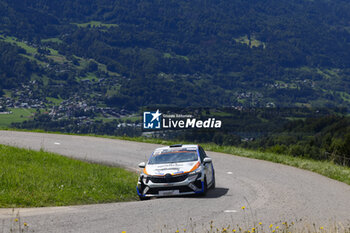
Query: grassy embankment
point(36, 178)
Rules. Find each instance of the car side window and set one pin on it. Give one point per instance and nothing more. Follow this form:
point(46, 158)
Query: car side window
point(205, 155)
point(202, 154)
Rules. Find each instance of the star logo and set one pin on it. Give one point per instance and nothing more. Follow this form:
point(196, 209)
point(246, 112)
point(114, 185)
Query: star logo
point(152, 120)
point(156, 115)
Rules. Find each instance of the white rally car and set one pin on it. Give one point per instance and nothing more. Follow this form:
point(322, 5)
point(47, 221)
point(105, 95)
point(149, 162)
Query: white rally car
point(176, 170)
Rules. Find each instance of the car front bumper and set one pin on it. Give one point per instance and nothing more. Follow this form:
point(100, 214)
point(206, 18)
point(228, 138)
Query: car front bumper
point(160, 186)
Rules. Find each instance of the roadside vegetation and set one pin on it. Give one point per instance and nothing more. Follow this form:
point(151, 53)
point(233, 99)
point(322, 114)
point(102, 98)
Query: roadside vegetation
point(326, 168)
point(37, 178)
point(250, 224)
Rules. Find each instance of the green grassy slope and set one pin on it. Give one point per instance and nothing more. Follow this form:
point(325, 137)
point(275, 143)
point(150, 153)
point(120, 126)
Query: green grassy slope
point(32, 179)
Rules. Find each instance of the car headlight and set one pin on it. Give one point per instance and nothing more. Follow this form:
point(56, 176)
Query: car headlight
point(144, 179)
point(195, 172)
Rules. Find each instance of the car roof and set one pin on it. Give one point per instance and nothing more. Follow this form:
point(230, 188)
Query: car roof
point(178, 146)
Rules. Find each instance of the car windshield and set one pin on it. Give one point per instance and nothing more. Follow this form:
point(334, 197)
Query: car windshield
point(173, 157)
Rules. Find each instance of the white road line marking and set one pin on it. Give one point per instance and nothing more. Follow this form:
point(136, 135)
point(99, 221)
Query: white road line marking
point(230, 173)
point(57, 143)
point(230, 211)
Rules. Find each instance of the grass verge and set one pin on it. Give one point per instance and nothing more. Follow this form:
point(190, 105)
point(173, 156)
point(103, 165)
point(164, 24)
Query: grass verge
point(36, 178)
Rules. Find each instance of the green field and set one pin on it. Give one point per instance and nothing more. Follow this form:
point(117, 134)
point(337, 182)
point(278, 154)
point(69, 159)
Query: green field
point(7, 93)
point(95, 24)
point(54, 100)
point(132, 118)
point(54, 40)
point(37, 178)
point(89, 76)
point(17, 115)
point(31, 51)
point(25, 46)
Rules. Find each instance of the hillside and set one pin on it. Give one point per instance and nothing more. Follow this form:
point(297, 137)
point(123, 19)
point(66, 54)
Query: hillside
point(128, 54)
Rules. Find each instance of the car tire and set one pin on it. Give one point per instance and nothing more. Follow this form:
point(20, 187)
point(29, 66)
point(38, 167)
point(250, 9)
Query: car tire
point(143, 198)
point(213, 183)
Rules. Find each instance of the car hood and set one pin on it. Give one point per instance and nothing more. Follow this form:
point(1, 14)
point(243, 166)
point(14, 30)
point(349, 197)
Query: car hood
point(170, 168)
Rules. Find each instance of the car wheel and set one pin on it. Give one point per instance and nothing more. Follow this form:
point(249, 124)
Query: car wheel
point(213, 183)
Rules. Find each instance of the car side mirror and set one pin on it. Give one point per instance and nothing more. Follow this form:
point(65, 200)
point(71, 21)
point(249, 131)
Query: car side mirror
point(207, 160)
point(142, 165)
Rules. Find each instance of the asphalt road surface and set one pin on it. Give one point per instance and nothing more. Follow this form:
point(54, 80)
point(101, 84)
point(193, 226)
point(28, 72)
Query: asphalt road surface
point(272, 193)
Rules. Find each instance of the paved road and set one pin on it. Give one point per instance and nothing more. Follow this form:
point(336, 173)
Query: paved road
point(271, 192)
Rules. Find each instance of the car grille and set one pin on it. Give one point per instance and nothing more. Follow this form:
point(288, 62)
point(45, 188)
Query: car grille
point(169, 178)
point(182, 189)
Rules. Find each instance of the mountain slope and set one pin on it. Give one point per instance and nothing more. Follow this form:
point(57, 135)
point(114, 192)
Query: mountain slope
point(186, 52)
